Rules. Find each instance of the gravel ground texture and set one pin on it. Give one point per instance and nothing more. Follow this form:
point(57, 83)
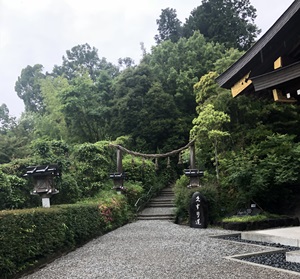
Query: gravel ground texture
point(158, 249)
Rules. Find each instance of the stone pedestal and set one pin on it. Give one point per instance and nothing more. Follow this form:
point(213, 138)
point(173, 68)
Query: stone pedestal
point(45, 202)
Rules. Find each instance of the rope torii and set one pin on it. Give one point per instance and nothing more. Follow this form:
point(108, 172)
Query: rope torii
point(153, 156)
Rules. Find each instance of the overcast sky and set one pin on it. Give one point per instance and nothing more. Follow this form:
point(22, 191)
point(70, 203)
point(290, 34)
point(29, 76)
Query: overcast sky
point(40, 31)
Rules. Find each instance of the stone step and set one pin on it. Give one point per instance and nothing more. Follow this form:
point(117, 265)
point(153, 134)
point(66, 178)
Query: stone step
point(160, 205)
point(160, 208)
point(156, 215)
point(171, 218)
point(167, 194)
point(159, 199)
point(161, 202)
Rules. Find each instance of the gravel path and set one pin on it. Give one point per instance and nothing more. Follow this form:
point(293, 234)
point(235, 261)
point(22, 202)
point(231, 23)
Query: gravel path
point(158, 249)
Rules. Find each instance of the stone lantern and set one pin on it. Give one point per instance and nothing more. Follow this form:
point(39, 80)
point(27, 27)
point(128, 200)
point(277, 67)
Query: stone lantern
point(43, 180)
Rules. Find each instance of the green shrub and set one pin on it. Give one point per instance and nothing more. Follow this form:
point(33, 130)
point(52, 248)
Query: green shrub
point(69, 190)
point(133, 192)
point(92, 165)
point(15, 192)
point(139, 170)
point(263, 172)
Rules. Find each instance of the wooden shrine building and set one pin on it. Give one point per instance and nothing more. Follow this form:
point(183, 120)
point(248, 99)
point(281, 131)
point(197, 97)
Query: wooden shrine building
point(271, 67)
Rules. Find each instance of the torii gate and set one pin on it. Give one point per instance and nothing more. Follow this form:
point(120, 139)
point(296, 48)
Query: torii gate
point(192, 172)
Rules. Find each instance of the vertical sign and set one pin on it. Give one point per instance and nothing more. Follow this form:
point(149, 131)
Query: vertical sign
point(198, 211)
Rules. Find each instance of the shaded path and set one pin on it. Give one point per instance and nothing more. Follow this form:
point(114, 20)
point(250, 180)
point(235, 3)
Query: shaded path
point(157, 249)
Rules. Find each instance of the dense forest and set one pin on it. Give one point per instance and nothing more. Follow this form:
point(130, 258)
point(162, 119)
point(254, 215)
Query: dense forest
point(249, 148)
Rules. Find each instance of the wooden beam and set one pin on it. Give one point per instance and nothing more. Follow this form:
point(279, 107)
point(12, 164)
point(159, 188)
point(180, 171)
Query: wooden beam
point(278, 63)
point(280, 98)
point(273, 79)
point(277, 94)
point(241, 85)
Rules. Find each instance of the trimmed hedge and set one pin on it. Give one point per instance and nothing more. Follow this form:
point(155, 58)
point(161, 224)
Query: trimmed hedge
point(29, 237)
point(260, 225)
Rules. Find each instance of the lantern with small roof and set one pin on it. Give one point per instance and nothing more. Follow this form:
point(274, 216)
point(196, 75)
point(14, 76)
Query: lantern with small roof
point(43, 181)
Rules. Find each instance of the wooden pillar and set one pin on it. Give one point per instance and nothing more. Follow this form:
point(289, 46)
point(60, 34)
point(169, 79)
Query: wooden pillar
point(192, 156)
point(119, 161)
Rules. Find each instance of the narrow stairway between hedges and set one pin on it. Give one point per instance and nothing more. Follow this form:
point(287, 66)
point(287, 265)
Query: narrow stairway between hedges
point(161, 207)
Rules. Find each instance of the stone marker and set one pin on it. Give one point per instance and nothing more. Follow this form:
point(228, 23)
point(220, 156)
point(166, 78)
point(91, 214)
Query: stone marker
point(198, 211)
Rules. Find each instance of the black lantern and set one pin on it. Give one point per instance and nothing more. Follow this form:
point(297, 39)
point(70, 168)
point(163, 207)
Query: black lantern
point(118, 179)
point(43, 180)
point(194, 176)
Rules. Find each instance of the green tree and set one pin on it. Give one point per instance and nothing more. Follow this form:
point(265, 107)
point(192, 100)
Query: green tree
point(130, 89)
point(167, 75)
point(85, 110)
point(225, 21)
point(52, 124)
point(169, 26)
point(208, 91)
point(125, 62)
point(208, 130)
point(15, 135)
point(83, 58)
point(7, 122)
point(28, 88)
point(178, 67)
point(158, 121)
point(230, 56)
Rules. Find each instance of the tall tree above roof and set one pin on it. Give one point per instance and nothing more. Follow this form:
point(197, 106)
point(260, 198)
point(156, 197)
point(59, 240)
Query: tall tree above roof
point(28, 88)
point(225, 21)
point(169, 26)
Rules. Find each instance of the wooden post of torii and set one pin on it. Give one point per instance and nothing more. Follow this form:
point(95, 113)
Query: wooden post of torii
point(119, 161)
point(192, 156)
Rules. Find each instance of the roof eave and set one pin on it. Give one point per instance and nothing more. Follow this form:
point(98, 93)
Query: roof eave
point(226, 79)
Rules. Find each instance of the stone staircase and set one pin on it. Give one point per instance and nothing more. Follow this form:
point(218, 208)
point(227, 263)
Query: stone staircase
point(160, 208)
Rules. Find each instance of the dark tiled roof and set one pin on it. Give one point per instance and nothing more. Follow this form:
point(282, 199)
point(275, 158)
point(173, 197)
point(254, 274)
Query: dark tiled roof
point(261, 49)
